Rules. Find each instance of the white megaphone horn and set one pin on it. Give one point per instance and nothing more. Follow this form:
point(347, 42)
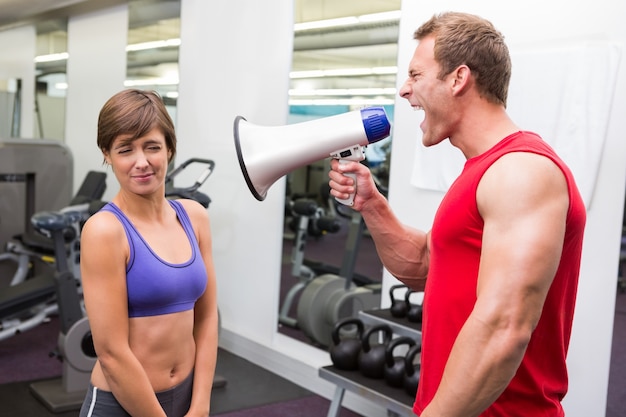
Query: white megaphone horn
point(266, 153)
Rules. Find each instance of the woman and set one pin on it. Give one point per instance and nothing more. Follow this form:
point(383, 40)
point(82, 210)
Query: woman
point(148, 276)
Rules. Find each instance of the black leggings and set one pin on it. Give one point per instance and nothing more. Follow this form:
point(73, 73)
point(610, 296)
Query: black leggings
point(175, 401)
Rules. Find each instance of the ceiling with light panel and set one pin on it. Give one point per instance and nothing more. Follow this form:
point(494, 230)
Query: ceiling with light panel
point(337, 56)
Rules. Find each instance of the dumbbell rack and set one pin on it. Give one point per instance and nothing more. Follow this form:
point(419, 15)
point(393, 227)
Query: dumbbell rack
point(395, 400)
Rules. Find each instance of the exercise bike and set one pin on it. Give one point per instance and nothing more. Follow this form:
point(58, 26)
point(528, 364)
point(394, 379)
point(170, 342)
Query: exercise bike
point(30, 299)
point(75, 344)
point(190, 192)
point(30, 251)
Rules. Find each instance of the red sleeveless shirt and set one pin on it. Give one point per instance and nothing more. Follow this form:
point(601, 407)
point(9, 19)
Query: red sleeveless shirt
point(541, 380)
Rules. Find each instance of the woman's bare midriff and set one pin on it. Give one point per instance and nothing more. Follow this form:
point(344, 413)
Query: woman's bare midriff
point(165, 347)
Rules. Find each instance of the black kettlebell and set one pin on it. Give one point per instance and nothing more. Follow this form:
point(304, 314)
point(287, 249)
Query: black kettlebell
point(398, 307)
point(345, 351)
point(414, 311)
point(372, 356)
point(412, 370)
point(394, 365)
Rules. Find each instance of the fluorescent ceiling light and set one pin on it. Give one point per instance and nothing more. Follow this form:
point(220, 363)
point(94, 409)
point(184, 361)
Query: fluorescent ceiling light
point(52, 57)
point(319, 24)
point(151, 81)
point(153, 45)
point(342, 92)
point(342, 102)
point(344, 72)
point(380, 17)
point(347, 21)
point(129, 48)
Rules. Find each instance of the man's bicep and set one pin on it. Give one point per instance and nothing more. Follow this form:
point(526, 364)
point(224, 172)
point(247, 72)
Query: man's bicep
point(524, 229)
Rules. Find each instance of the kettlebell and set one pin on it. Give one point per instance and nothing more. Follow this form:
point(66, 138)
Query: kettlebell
point(398, 308)
point(394, 365)
point(372, 356)
point(412, 370)
point(414, 311)
point(345, 352)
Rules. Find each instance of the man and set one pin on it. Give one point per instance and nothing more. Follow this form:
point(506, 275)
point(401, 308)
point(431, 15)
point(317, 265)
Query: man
point(499, 268)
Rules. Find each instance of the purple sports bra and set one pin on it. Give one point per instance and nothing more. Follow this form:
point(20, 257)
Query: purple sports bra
point(157, 287)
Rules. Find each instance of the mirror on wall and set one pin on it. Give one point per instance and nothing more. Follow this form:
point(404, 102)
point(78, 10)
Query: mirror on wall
point(51, 79)
point(152, 61)
point(344, 59)
point(152, 51)
point(10, 108)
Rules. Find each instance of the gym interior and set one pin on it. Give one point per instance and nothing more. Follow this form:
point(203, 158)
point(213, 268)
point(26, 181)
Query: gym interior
point(290, 267)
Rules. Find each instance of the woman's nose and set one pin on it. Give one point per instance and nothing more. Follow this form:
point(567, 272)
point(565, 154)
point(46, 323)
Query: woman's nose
point(142, 159)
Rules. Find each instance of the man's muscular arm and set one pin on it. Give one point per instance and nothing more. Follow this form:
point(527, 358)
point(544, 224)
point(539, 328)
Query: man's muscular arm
point(404, 251)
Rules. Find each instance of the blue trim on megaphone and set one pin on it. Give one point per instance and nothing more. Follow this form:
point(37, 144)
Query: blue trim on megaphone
point(376, 123)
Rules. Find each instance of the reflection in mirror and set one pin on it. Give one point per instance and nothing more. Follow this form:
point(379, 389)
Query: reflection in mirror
point(152, 51)
point(51, 80)
point(10, 107)
point(152, 60)
point(344, 59)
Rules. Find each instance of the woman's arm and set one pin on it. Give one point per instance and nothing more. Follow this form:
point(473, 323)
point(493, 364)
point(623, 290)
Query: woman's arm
point(205, 315)
point(104, 251)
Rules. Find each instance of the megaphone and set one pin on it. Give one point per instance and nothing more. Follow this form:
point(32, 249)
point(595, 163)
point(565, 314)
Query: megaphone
point(266, 153)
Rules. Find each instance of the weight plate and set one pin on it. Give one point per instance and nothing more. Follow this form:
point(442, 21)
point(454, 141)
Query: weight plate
point(313, 306)
point(72, 346)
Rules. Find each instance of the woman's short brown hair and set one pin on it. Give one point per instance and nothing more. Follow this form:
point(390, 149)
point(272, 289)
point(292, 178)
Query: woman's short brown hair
point(134, 112)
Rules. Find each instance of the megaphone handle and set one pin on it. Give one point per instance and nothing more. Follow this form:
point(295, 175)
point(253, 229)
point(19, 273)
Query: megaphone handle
point(350, 200)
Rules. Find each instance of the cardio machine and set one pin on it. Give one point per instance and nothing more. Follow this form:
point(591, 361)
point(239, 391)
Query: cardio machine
point(30, 298)
point(75, 343)
point(190, 192)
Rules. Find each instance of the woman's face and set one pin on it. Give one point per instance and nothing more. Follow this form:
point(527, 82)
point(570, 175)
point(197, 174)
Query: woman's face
point(140, 165)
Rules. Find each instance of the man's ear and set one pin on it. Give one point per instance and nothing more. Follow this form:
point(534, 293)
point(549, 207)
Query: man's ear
point(461, 79)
